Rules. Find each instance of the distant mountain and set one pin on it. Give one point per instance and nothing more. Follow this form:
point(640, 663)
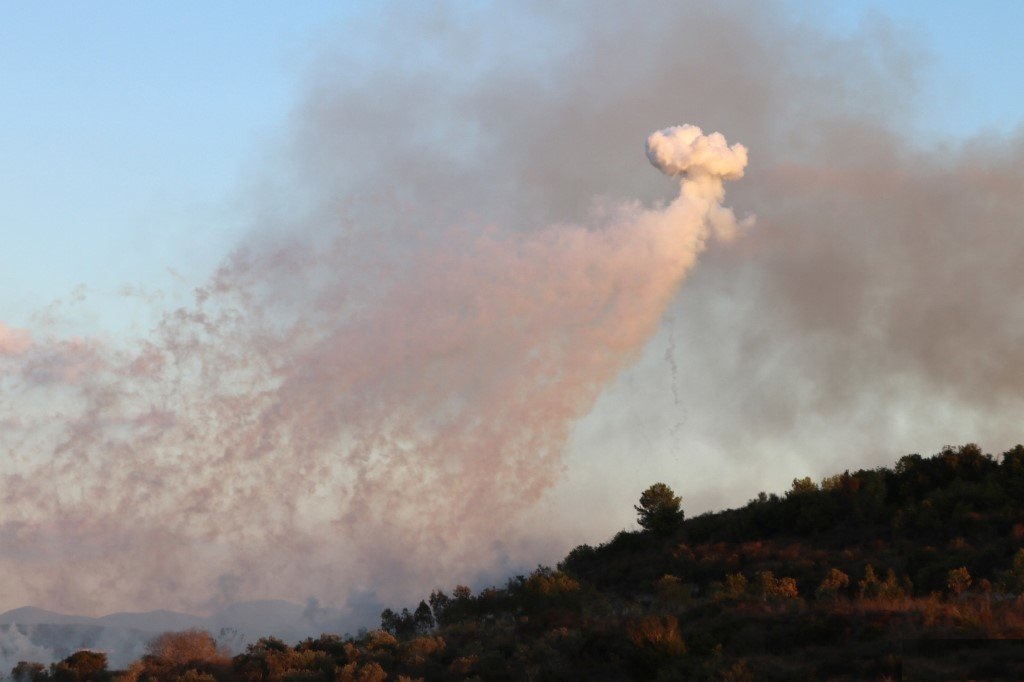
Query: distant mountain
point(33, 634)
point(254, 614)
point(154, 621)
point(49, 642)
point(31, 615)
point(286, 620)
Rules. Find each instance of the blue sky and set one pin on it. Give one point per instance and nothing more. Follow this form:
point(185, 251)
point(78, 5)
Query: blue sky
point(125, 128)
point(973, 52)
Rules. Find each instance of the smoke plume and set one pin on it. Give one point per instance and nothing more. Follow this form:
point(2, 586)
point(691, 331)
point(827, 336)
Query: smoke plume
point(456, 332)
point(328, 412)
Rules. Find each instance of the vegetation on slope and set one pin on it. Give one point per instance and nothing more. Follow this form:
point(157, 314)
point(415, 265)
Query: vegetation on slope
point(857, 577)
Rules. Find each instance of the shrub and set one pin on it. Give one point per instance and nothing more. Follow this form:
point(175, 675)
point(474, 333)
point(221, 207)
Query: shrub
point(370, 672)
point(187, 646)
point(769, 588)
point(958, 580)
point(81, 666)
point(871, 587)
point(834, 583)
point(28, 672)
point(1012, 581)
point(672, 590)
point(660, 633)
point(734, 587)
point(193, 675)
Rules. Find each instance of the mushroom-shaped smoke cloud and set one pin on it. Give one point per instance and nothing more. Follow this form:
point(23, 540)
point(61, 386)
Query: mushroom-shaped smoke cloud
point(686, 150)
point(702, 162)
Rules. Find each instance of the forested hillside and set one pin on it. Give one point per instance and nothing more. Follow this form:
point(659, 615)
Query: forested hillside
point(911, 571)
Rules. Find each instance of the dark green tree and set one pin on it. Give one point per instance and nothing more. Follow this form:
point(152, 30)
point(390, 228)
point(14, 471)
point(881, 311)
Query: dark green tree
point(659, 510)
point(423, 619)
point(391, 622)
point(439, 603)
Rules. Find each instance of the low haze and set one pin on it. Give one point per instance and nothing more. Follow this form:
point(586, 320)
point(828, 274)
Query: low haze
point(430, 314)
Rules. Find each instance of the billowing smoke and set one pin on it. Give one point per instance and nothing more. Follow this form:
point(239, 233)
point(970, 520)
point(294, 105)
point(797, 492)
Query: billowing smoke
point(385, 401)
point(685, 150)
point(454, 256)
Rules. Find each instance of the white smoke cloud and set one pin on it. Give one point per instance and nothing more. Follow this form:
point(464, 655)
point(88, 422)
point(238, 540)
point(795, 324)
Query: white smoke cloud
point(685, 150)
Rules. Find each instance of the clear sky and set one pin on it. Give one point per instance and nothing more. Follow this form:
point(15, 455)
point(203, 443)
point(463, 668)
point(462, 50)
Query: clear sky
point(125, 127)
point(453, 326)
point(972, 51)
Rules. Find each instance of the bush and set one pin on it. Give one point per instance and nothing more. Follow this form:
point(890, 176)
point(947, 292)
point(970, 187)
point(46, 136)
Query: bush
point(659, 633)
point(884, 590)
point(734, 587)
point(185, 647)
point(834, 583)
point(958, 580)
point(28, 672)
point(769, 588)
point(81, 666)
point(1012, 581)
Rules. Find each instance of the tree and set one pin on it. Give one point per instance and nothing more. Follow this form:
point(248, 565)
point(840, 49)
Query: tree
point(29, 672)
point(81, 666)
point(660, 633)
point(439, 603)
point(187, 646)
point(769, 588)
point(659, 510)
point(733, 587)
point(423, 619)
point(802, 486)
point(870, 587)
point(958, 580)
point(1013, 580)
point(888, 590)
point(833, 585)
point(393, 623)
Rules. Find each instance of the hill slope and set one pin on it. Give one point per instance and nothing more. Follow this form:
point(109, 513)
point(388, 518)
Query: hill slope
point(910, 571)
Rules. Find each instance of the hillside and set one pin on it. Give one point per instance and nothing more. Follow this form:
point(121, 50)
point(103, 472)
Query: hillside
point(914, 570)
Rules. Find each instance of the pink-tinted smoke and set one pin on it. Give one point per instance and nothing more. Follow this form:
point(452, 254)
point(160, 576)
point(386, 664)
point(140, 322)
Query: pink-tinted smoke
point(378, 405)
point(13, 341)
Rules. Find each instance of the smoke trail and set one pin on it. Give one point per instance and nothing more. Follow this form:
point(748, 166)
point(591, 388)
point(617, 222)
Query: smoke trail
point(379, 403)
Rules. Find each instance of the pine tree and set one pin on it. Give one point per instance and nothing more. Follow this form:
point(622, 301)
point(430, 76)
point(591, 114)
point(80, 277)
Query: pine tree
point(659, 510)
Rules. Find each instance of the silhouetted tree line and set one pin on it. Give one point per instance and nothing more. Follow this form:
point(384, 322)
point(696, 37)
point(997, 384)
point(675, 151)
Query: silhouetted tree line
point(829, 579)
point(960, 490)
point(81, 666)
